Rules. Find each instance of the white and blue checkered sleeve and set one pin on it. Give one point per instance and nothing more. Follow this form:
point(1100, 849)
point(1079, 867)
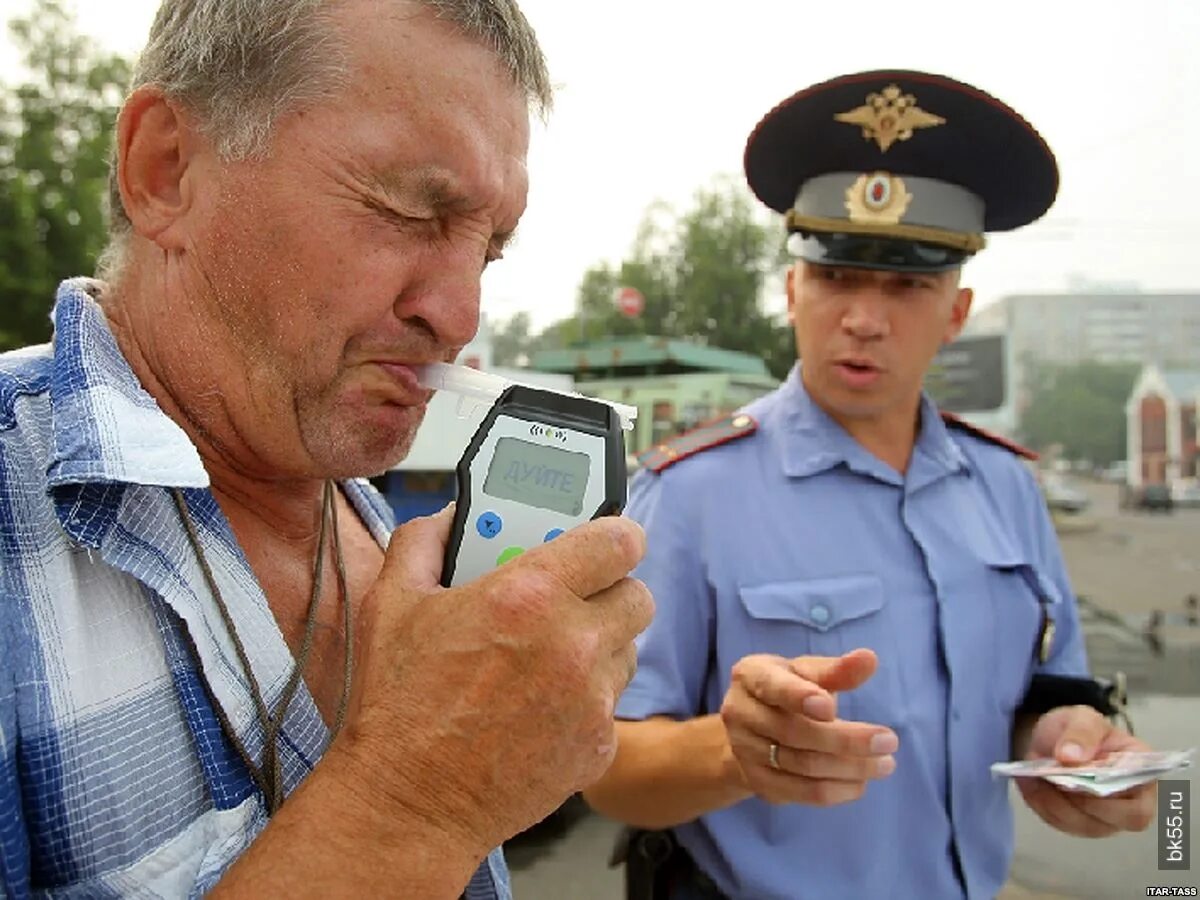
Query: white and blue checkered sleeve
point(14, 840)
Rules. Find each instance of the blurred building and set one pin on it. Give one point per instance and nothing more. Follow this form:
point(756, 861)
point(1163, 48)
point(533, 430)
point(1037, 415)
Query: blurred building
point(1114, 324)
point(974, 377)
point(1161, 434)
point(1098, 326)
point(675, 384)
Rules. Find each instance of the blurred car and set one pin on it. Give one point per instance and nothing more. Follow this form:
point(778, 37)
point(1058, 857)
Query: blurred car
point(1185, 493)
point(1062, 495)
point(1115, 473)
point(1156, 498)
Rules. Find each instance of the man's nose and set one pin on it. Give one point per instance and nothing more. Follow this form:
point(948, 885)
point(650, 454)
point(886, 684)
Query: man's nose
point(444, 299)
point(866, 316)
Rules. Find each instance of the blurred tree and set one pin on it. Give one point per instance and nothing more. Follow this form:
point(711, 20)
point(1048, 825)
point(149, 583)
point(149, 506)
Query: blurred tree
point(55, 134)
point(511, 340)
point(702, 275)
point(1081, 407)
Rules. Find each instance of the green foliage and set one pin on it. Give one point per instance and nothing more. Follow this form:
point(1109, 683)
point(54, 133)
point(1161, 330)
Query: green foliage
point(701, 274)
point(510, 340)
point(1081, 407)
point(55, 134)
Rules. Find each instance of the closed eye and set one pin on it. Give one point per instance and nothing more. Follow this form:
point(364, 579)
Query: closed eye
point(395, 216)
point(497, 245)
point(434, 222)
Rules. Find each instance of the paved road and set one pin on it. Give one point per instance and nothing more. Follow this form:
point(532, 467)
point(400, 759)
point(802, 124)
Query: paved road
point(1134, 562)
point(1128, 564)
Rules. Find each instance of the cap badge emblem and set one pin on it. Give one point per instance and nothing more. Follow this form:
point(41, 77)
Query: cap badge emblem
point(878, 198)
point(889, 116)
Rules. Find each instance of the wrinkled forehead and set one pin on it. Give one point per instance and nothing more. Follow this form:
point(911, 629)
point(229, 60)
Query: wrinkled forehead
point(403, 39)
point(428, 109)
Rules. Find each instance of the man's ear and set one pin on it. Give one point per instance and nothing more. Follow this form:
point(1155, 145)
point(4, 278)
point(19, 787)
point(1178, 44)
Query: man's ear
point(958, 314)
point(791, 294)
point(156, 145)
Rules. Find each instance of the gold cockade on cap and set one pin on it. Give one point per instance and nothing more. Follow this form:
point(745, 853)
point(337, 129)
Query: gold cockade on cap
point(877, 198)
point(889, 116)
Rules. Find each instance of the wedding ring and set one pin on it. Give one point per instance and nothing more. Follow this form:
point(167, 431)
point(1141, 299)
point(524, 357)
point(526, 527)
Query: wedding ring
point(773, 756)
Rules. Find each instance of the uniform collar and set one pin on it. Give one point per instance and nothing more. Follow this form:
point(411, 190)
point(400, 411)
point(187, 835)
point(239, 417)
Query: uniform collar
point(814, 442)
point(106, 427)
point(936, 454)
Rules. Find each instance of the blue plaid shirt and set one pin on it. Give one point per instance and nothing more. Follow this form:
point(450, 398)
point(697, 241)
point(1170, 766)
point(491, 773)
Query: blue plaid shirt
point(115, 776)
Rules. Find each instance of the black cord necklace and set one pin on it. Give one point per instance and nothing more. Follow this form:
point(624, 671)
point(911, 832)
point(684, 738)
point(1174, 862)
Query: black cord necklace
point(267, 775)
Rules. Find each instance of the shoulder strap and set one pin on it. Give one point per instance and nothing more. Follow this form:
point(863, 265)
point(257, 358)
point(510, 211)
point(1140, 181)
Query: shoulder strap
point(713, 434)
point(953, 421)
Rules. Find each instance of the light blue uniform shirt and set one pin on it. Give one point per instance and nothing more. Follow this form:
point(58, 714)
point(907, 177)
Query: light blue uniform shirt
point(116, 778)
point(795, 540)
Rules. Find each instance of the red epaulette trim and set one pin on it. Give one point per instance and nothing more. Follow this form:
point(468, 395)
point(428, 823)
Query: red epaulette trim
point(712, 434)
point(990, 436)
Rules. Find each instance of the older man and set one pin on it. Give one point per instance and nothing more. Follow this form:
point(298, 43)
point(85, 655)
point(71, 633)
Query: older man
point(201, 615)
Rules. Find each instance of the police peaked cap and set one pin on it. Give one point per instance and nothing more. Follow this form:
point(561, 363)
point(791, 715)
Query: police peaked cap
point(899, 170)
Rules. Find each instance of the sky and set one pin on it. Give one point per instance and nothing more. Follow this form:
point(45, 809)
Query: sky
point(655, 99)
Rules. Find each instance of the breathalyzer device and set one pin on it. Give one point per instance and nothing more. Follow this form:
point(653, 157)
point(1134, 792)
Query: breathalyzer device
point(540, 462)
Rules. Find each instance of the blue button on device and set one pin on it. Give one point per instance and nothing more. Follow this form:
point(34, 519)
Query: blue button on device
point(488, 525)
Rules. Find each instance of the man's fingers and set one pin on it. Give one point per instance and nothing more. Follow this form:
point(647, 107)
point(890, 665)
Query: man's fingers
point(1081, 737)
point(826, 767)
point(842, 738)
point(783, 787)
point(623, 610)
point(744, 714)
point(590, 557)
point(1059, 810)
point(806, 684)
point(816, 762)
point(1078, 734)
point(1087, 816)
point(772, 680)
point(1129, 811)
point(417, 551)
point(837, 673)
point(620, 669)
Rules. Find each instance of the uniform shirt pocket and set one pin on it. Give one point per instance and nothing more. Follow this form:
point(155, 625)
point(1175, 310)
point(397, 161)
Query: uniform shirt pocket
point(828, 617)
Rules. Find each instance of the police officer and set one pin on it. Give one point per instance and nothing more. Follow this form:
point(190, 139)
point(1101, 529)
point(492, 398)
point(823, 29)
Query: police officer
point(854, 594)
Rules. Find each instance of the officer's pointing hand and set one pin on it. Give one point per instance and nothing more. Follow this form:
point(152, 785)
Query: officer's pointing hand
point(781, 716)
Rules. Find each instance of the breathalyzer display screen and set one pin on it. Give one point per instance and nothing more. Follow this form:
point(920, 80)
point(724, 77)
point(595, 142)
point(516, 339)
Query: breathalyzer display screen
point(537, 475)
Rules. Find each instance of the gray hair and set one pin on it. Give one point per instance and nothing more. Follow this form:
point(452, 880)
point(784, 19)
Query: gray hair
point(239, 66)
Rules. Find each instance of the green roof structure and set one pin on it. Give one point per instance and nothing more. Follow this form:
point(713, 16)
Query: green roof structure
point(646, 355)
point(675, 384)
